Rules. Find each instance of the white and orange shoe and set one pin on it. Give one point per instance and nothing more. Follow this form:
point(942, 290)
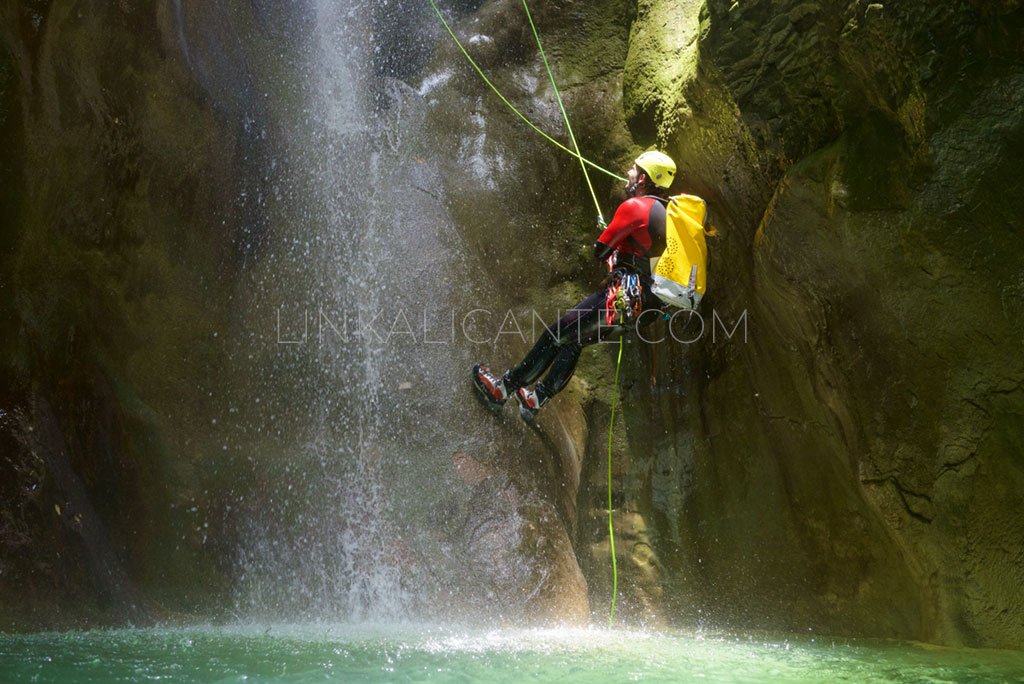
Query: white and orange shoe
point(491, 388)
point(530, 403)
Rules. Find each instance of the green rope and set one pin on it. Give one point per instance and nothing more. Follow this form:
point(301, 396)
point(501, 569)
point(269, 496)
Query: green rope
point(565, 116)
point(512, 107)
point(583, 165)
point(618, 363)
point(611, 532)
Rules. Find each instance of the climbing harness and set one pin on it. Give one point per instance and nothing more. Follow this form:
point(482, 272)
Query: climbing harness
point(623, 303)
point(513, 108)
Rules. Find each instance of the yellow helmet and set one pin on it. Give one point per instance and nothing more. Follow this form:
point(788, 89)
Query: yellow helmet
point(659, 167)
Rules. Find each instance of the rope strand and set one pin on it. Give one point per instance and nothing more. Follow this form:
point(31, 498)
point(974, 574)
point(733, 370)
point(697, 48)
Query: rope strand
point(512, 107)
point(583, 165)
point(611, 532)
point(565, 116)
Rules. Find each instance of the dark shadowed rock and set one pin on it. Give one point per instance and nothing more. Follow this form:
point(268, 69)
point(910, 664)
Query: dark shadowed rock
point(836, 449)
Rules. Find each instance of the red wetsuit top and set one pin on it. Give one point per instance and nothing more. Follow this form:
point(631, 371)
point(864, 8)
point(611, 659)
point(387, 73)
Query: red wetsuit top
point(637, 231)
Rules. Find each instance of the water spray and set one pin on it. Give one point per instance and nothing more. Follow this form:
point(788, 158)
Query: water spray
point(601, 222)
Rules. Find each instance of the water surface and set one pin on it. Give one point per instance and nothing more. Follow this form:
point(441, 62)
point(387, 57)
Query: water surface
point(337, 653)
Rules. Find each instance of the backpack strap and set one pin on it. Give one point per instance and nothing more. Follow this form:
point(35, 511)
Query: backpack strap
point(663, 200)
point(657, 225)
point(637, 247)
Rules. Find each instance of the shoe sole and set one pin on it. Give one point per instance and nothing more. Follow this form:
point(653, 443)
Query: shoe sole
point(484, 393)
point(525, 412)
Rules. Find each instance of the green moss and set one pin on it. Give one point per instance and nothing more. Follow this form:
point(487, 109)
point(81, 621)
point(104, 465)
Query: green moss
point(912, 114)
point(589, 44)
point(662, 58)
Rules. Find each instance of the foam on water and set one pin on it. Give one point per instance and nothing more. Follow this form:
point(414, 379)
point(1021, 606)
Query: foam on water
point(390, 653)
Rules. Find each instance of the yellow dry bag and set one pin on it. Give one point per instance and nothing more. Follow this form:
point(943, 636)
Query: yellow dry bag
point(680, 274)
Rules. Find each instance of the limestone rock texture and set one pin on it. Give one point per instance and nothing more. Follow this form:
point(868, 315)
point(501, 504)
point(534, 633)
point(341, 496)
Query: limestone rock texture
point(161, 184)
point(855, 461)
point(837, 450)
point(122, 236)
point(876, 403)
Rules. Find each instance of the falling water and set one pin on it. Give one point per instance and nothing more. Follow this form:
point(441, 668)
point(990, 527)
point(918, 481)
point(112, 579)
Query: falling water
point(351, 528)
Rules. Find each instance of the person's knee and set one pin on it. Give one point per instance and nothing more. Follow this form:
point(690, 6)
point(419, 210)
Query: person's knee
point(561, 339)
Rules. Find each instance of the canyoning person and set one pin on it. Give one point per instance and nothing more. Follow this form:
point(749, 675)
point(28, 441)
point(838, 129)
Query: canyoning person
point(634, 238)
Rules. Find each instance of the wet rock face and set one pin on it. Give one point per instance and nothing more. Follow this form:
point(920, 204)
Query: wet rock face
point(845, 460)
point(519, 544)
point(140, 188)
point(852, 465)
point(121, 226)
point(515, 202)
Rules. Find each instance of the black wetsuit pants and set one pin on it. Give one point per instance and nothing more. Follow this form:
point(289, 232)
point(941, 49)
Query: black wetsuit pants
point(559, 347)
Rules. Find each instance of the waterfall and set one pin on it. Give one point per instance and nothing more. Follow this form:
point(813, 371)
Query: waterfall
point(353, 527)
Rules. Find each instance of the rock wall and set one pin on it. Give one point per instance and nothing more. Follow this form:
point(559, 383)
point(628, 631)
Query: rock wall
point(837, 452)
point(130, 135)
point(882, 271)
point(851, 465)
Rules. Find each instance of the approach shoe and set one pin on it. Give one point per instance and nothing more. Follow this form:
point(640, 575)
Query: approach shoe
point(491, 388)
point(529, 403)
